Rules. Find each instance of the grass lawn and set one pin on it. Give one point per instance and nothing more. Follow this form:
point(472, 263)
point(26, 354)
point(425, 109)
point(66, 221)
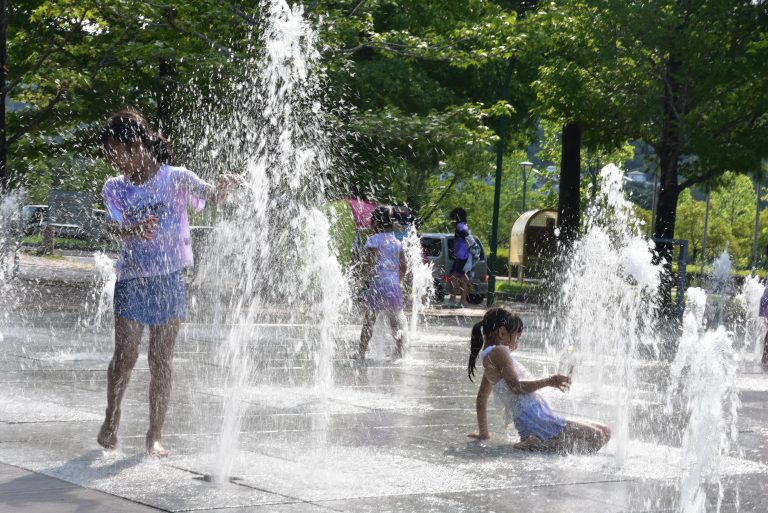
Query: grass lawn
point(515, 287)
point(72, 243)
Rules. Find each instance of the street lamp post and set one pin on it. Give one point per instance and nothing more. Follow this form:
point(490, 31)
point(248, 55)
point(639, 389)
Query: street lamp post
point(525, 168)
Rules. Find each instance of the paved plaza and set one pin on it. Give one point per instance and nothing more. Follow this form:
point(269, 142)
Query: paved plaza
point(387, 437)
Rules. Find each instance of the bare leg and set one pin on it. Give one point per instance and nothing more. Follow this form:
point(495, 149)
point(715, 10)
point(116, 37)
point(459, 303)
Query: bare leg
point(398, 331)
point(369, 320)
point(162, 340)
point(454, 285)
point(581, 437)
point(463, 289)
point(127, 341)
point(764, 359)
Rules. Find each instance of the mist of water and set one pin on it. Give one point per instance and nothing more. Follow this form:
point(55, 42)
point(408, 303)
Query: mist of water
point(422, 282)
point(607, 304)
point(753, 325)
point(704, 370)
point(270, 257)
point(104, 290)
point(10, 226)
point(721, 285)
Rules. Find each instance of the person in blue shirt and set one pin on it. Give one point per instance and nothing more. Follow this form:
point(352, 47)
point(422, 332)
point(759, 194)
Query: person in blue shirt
point(458, 275)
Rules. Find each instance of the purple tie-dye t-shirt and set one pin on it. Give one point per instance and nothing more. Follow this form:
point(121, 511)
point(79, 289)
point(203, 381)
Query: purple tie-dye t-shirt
point(166, 196)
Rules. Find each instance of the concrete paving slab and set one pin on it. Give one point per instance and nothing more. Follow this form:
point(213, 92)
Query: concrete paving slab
point(388, 436)
point(22, 491)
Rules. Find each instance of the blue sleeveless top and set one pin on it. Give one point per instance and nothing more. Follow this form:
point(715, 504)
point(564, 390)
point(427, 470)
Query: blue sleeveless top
point(530, 413)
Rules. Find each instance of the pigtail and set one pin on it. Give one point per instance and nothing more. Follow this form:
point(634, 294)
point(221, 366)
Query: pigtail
point(475, 346)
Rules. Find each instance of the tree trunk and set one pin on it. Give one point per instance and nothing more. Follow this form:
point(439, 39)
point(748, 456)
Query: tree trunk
point(3, 72)
point(668, 151)
point(666, 212)
point(568, 203)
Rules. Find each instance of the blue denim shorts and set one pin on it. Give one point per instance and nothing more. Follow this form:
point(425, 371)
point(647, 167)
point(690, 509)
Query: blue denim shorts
point(152, 300)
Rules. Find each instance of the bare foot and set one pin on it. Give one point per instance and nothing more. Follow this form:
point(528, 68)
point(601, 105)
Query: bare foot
point(530, 444)
point(107, 436)
point(156, 450)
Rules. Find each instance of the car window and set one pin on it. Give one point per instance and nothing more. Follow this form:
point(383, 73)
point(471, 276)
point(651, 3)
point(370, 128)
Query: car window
point(432, 247)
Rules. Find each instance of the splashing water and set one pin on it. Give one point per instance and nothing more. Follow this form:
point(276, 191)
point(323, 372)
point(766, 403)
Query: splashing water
point(705, 369)
point(105, 287)
point(753, 325)
point(270, 257)
point(10, 225)
point(332, 284)
point(721, 284)
point(607, 300)
point(10, 229)
point(421, 278)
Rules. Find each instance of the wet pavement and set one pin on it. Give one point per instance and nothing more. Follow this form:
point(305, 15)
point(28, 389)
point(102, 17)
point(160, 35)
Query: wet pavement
point(388, 436)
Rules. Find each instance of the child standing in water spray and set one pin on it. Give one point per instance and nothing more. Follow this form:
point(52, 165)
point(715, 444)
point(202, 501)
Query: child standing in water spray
point(458, 273)
point(494, 338)
point(147, 209)
point(384, 263)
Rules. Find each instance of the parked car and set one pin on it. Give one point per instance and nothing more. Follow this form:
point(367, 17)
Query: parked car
point(438, 248)
point(33, 218)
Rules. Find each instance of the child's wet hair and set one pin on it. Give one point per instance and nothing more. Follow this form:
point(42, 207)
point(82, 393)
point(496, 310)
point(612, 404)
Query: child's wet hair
point(382, 216)
point(459, 214)
point(128, 126)
point(493, 319)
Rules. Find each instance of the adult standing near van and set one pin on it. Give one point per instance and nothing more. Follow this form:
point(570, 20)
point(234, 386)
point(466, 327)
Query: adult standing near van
point(458, 274)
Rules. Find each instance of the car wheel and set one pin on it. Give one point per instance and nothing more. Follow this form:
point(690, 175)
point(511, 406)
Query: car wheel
point(475, 299)
point(438, 295)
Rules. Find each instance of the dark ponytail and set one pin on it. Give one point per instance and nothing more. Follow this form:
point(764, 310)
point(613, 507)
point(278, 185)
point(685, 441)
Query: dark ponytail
point(128, 126)
point(493, 319)
point(475, 346)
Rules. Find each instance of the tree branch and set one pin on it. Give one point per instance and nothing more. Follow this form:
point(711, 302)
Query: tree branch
point(252, 22)
point(43, 113)
point(37, 118)
point(697, 180)
point(223, 49)
point(439, 200)
point(354, 9)
point(35, 67)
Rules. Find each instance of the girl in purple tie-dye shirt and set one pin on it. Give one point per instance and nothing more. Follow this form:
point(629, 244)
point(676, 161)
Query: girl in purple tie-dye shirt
point(147, 210)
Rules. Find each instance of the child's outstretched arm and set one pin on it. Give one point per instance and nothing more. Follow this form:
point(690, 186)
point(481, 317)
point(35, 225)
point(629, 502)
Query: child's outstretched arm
point(503, 361)
point(225, 183)
point(482, 410)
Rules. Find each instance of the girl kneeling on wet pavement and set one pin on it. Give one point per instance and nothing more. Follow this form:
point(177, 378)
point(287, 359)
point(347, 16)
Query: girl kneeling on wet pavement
point(147, 210)
point(540, 429)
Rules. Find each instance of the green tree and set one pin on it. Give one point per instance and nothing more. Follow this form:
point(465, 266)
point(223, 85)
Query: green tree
point(675, 74)
point(71, 62)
